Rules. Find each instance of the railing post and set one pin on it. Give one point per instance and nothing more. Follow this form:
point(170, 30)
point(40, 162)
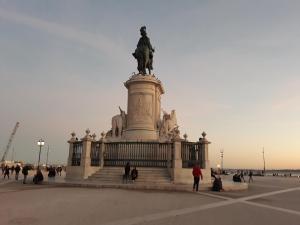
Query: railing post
point(204, 151)
point(177, 160)
point(86, 149)
point(71, 171)
point(203, 142)
point(102, 149)
point(71, 143)
point(86, 153)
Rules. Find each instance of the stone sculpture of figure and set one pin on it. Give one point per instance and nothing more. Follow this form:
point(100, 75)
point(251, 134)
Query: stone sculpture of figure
point(144, 53)
point(118, 123)
point(168, 125)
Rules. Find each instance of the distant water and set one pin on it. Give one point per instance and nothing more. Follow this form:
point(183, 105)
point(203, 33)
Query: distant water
point(294, 173)
point(282, 173)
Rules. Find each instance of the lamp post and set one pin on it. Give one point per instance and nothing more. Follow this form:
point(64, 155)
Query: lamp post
point(264, 160)
point(222, 155)
point(47, 156)
point(40, 143)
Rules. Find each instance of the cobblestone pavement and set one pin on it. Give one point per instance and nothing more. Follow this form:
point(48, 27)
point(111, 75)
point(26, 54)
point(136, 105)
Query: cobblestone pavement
point(269, 200)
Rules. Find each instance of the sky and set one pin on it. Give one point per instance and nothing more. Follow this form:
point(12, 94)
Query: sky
point(229, 68)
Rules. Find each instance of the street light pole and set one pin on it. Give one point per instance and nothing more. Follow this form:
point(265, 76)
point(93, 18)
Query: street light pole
point(40, 143)
point(263, 152)
point(47, 156)
point(222, 155)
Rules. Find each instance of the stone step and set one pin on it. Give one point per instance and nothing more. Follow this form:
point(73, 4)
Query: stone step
point(140, 178)
point(137, 180)
point(146, 175)
point(140, 174)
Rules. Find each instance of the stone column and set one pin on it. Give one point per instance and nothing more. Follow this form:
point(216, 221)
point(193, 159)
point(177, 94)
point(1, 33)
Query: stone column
point(71, 141)
point(86, 149)
point(143, 107)
point(203, 142)
point(204, 150)
point(102, 149)
point(85, 162)
point(177, 161)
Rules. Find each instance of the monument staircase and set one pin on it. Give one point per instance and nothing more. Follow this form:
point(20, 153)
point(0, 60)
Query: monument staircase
point(146, 175)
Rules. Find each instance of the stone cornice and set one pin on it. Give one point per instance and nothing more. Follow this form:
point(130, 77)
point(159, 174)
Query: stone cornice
point(145, 78)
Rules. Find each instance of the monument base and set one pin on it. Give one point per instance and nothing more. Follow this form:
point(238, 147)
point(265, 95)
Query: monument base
point(143, 109)
point(140, 135)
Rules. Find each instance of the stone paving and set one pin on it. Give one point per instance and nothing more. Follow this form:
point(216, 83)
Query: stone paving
point(269, 200)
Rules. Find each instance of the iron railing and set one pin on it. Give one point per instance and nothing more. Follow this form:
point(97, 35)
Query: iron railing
point(141, 154)
point(191, 154)
point(77, 152)
point(95, 154)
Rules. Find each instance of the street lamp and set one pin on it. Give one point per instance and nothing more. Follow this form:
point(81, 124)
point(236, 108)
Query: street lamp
point(47, 157)
point(222, 156)
point(264, 160)
point(40, 143)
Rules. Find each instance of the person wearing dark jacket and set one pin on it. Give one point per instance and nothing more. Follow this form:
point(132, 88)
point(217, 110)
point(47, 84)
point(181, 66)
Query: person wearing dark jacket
point(12, 169)
point(51, 172)
point(127, 171)
point(6, 172)
point(38, 177)
point(25, 173)
point(217, 184)
point(17, 169)
point(134, 174)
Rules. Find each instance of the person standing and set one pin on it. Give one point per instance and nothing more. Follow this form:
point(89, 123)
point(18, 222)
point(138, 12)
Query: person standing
point(134, 174)
point(25, 173)
point(250, 176)
point(6, 172)
point(197, 174)
point(17, 169)
point(12, 169)
point(127, 171)
point(242, 176)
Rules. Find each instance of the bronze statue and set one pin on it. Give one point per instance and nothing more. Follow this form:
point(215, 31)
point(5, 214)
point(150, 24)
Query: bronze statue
point(144, 53)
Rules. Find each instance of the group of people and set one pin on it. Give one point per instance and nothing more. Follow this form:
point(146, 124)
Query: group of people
point(239, 176)
point(6, 171)
point(38, 177)
point(133, 174)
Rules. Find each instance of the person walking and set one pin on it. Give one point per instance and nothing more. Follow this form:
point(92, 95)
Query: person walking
point(197, 174)
point(127, 171)
point(51, 173)
point(17, 169)
point(25, 173)
point(6, 172)
point(242, 176)
point(250, 176)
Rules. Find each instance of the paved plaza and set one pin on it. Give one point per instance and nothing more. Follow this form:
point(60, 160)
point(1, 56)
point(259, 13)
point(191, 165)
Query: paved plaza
point(269, 200)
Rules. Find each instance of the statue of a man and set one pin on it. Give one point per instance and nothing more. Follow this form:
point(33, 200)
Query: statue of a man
point(144, 53)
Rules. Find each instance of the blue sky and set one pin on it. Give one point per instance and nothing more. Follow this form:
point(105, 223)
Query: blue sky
point(228, 67)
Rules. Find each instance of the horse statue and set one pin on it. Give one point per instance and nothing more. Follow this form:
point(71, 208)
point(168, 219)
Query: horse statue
point(144, 53)
point(118, 123)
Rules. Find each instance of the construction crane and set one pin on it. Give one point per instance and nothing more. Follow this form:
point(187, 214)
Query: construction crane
point(10, 141)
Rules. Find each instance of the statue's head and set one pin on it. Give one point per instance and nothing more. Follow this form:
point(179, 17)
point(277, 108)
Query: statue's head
point(143, 31)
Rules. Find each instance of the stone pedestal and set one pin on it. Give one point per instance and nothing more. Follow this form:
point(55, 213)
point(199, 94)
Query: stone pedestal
point(143, 107)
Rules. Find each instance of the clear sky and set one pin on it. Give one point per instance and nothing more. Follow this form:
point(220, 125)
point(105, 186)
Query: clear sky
point(230, 68)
